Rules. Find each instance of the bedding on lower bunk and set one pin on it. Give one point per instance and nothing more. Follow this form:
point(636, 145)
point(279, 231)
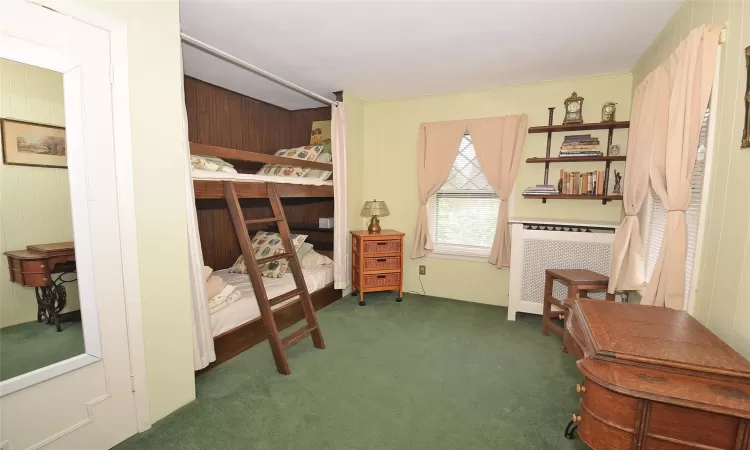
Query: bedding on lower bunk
point(199, 174)
point(245, 308)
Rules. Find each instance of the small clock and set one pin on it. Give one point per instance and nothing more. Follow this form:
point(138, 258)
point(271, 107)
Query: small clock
point(573, 109)
point(608, 112)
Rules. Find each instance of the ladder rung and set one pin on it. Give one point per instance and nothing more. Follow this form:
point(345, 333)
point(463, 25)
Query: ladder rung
point(273, 258)
point(266, 220)
point(298, 335)
point(285, 297)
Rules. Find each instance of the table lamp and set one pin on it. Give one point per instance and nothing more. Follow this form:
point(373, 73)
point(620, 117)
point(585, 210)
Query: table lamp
point(374, 209)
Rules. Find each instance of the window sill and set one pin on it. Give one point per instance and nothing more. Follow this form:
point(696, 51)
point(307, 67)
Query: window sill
point(471, 257)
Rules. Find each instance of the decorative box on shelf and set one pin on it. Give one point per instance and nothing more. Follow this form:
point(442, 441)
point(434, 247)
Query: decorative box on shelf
point(325, 222)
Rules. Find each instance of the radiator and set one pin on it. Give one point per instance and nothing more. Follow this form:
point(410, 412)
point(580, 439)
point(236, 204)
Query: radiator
point(539, 245)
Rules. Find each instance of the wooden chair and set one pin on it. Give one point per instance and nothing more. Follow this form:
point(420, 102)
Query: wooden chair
point(579, 283)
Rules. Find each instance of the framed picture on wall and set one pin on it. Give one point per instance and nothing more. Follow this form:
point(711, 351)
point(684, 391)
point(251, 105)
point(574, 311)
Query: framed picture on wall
point(33, 144)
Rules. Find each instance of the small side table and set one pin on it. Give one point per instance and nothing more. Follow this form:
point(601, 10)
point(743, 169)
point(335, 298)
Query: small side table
point(34, 267)
point(377, 262)
point(579, 283)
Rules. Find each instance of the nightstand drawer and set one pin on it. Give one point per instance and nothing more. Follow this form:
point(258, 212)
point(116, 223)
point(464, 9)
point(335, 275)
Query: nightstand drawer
point(385, 279)
point(381, 246)
point(384, 263)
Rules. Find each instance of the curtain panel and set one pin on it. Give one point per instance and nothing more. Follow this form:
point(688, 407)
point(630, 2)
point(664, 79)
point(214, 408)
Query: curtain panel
point(437, 148)
point(342, 253)
point(203, 339)
point(691, 71)
point(647, 130)
point(498, 143)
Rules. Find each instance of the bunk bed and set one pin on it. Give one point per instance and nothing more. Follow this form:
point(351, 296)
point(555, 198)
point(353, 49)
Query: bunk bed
point(239, 326)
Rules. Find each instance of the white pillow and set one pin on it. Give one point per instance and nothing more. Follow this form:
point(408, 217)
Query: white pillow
point(321, 174)
point(313, 260)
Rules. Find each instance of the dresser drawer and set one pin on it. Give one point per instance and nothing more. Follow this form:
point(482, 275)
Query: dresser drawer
point(385, 279)
point(384, 263)
point(384, 246)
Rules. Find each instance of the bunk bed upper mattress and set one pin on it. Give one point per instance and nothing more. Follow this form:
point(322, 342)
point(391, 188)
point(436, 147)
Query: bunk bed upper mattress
point(246, 308)
point(199, 174)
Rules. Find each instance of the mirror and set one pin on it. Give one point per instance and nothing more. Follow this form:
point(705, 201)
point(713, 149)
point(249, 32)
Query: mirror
point(40, 318)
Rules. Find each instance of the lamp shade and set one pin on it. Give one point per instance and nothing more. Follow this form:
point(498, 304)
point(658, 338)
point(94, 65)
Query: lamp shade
point(374, 208)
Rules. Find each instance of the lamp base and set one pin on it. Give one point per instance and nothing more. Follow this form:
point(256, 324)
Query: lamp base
point(374, 225)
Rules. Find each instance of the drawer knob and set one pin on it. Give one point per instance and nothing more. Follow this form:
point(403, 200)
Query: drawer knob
point(580, 388)
point(44, 279)
point(41, 266)
point(576, 418)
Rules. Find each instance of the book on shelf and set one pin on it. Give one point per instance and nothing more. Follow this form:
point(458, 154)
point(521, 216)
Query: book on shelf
point(569, 154)
point(582, 183)
point(579, 137)
point(541, 189)
point(580, 147)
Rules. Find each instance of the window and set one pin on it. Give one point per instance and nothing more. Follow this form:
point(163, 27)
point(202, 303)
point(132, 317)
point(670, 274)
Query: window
point(656, 215)
point(464, 210)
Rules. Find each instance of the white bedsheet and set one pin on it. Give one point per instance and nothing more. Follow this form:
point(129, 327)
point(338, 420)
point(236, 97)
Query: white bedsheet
point(246, 308)
point(248, 177)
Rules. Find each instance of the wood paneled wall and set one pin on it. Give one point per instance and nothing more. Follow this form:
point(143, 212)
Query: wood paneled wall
point(217, 116)
point(35, 205)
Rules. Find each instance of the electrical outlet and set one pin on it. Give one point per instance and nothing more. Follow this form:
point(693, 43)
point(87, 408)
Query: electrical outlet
point(423, 270)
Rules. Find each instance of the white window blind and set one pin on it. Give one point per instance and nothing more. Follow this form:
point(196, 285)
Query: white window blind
point(657, 215)
point(464, 210)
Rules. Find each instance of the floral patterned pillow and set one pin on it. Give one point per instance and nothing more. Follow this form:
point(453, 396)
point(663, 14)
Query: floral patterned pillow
point(267, 243)
point(307, 153)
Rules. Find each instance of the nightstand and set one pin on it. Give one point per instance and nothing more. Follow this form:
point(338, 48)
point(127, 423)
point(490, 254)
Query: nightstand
point(377, 262)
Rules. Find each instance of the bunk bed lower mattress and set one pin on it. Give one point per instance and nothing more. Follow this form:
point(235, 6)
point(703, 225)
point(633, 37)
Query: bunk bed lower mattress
point(246, 308)
point(253, 178)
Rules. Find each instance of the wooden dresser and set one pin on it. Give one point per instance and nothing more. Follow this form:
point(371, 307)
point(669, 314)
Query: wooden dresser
point(655, 378)
point(377, 262)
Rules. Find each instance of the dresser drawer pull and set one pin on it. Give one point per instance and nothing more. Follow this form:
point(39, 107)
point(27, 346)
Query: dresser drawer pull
point(576, 418)
point(381, 276)
point(381, 260)
point(580, 388)
point(41, 266)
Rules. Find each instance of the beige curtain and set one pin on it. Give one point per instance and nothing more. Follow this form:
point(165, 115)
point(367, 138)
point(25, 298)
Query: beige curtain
point(648, 121)
point(437, 148)
point(498, 142)
point(691, 71)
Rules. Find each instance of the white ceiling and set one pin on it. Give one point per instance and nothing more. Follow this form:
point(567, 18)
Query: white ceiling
point(391, 49)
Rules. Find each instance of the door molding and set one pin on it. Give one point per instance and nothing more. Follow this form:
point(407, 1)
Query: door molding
point(125, 192)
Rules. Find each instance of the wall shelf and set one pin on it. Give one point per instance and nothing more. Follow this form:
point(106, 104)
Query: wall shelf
point(580, 127)
point(576, 159)
point(603, 198)
point(548, 159)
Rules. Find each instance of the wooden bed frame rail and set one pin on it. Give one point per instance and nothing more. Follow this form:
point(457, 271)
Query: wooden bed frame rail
point(241, 155)
point(214, 189)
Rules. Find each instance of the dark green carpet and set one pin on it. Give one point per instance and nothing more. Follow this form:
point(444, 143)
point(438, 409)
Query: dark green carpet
point(427, 373)
point(29, 346)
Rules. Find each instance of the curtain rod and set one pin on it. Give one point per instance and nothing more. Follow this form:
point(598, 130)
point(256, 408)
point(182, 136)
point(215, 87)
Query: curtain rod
point(254, 69)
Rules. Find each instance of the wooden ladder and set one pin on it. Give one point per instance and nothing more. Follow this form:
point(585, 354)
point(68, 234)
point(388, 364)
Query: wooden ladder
point(278, 344)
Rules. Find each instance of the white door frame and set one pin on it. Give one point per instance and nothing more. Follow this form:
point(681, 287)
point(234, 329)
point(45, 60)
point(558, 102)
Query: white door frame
point(125, 192)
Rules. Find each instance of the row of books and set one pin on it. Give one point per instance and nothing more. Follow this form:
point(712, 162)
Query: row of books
point(582, 183)
point(541, 189)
